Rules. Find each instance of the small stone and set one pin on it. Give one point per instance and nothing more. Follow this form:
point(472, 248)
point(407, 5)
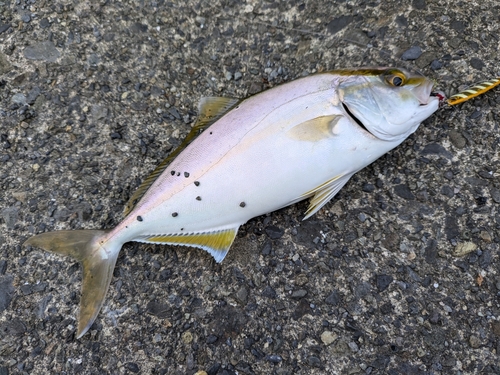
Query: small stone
point(274, 232)
point(45, 51)
point(133, 367)
point(269, 292)
point(99, 112)
point(383, 281)
point(4, 27)
point(495, 327)
point(6, 292)
point(19, 99)
point(412, 54)
point(274, 358)
point(211, 339)
point(228, 76)
point(339, 23)
point(474, 342)
point(436, 65)
point(242, 295)
point(457, 139)
point(464, 248)
point(237, 76)
point(201, 372)
point(477, 63)
point(458, 26)
point(187, 337)
point(333, 299)
point(485, 236)
point(26, 17)
point(327, 337)
point(298, 294)
point(419, 4)
point(404, 192)
point(314, 361)
point(495, 194)
point(353, 346)
point(44, 23)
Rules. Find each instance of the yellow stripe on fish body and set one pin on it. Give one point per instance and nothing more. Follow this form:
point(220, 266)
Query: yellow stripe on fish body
point(473, 91)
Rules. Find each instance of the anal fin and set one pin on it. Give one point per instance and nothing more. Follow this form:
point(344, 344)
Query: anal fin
point(324, 192)
point(217, 243)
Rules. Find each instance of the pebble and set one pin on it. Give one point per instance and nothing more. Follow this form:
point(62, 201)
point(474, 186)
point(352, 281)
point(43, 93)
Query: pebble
point(383, 281)
point(339, 23)
point(298, 294)
point(474, 342)
point(242, 295)
point(45, 51)
point(327, 337)
point(187, 337)
point(274, 232)
point(4, 27)
point(457, 139)
point(353, 346)
point(412, 54)
point(495, 195)
point(404, 192)
point(19, 99)
point(6, 292)
point(464, 248)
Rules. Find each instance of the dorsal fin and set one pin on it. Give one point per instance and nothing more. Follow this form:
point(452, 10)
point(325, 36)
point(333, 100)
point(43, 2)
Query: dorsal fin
point(217, 243)
point(210, 110)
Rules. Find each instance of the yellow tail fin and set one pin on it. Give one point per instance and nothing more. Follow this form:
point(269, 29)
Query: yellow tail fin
point(98, 259)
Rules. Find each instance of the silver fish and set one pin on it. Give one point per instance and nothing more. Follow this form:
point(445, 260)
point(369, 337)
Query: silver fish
point(302, 139)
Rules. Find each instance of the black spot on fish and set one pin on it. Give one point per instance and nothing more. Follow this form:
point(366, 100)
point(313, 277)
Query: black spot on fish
point(197, 183)
point(186, 174)
point(210, 132)
point(175, 214)
point(243, 204)
point(139, 218)
point(182, 228)
point(198, 198)
point(172, 173)
point(178, 173)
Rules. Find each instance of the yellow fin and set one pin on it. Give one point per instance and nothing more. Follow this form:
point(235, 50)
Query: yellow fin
point(217, 243)
point(324, 192)
point(210, 110)
point(98, 263)
point(314, 130)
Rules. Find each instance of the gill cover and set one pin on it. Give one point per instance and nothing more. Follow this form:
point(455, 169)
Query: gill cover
point(390, 103)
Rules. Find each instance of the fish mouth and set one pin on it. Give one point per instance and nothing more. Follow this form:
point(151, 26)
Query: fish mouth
point(356, 120)
point(440, 96)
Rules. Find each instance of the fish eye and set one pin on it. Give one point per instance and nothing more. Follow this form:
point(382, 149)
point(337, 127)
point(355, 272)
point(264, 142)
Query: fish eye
point(395, 78)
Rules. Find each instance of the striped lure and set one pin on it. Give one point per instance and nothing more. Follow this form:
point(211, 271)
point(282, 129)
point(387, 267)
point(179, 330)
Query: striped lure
point(473, 91)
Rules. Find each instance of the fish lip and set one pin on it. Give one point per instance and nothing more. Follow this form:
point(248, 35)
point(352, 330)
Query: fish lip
point(424, 93)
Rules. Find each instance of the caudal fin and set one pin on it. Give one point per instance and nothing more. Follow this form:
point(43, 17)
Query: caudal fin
point(98, 259)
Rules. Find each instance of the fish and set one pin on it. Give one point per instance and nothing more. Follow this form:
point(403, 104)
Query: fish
point(245, 158)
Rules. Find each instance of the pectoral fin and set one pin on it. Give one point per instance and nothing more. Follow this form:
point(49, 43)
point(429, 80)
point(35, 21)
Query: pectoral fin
point(324, 192)
point(316, 129)
point(217, 243)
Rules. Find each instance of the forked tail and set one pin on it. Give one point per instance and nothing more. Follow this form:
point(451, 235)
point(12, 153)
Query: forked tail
point(98, 258)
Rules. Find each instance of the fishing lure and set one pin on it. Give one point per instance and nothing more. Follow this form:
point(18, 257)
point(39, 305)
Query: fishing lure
point(473, 91)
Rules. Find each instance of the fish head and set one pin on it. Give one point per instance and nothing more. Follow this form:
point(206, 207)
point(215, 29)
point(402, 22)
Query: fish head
point(389, 103)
